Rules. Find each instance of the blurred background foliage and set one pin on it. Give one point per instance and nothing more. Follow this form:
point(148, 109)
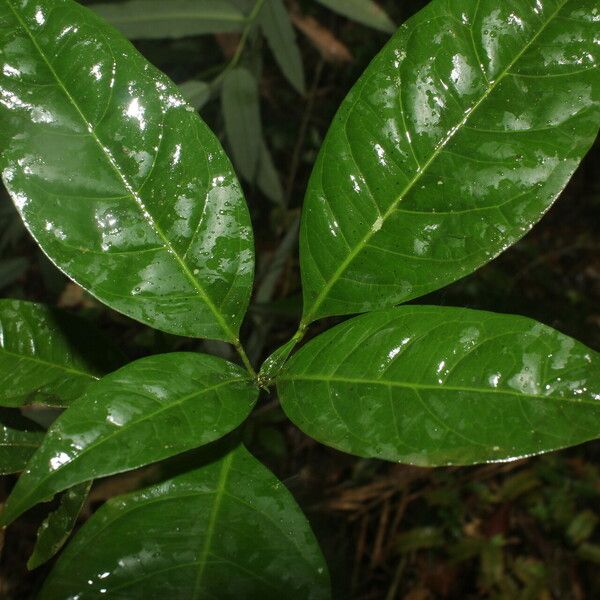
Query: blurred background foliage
point(268, 76)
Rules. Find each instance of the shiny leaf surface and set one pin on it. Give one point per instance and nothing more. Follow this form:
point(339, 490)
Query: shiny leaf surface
point(228, 530)
point(438, 386)
point(151, 409)
point(119, 181)
point(274, 363)
point(157, 19)
point(19, 439)
point(277, 28)
point(57, 526)
point(366, 12)
point(49, 356)
point(454, 142)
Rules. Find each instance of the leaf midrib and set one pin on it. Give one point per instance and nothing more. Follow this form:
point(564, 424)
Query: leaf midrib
point(432, 387)
point(212, 521)
point(125, 513)
point(230, 336)
point(46, 363)
point(310, 316)
point(232, 18)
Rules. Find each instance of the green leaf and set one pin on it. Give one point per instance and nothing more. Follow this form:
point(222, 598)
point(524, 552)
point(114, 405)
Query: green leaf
point(267, 178)
point(228, 530)
point(589, 552)
point(197, 93)
point(582, 527)
point(57, 526)
point(19, 439)
point(120, 182)
point(241, 112)
point(157, 19)
point(151, 409)
point(281, 37)
point(455, 141)
point(419, 538)
point(49, 356)
point(366, 12)
point(438, 386)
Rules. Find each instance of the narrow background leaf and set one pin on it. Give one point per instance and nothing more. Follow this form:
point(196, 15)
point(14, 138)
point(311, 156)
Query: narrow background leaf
point(275, 23)
point(267, 178)
point(241, 112)
point(433, 386)
point(157, 19)
point(367, 12)
point(150, 409)
point(238, 534)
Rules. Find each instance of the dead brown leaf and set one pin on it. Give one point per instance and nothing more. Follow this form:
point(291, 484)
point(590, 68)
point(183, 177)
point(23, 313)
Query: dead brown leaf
point(418, 594)
point(74, 296)
point(331, 49)
point(228, 42)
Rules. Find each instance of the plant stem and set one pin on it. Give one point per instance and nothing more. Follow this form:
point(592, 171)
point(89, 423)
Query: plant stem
point(266, 289)
point(250, 22)
point(240, 350)
point(299, 335)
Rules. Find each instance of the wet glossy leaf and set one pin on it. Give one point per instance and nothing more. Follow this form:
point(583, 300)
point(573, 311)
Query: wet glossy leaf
point(366, 12)
point(151, 409)
point(241, 113)
point(19, 439)
point(277, 27)
point(455, 141)
point(57, 526)
point(49, 356)
point(274, 363)
point(228, 530)
point(157, 19)
point(119, 181)
point(437, 386)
